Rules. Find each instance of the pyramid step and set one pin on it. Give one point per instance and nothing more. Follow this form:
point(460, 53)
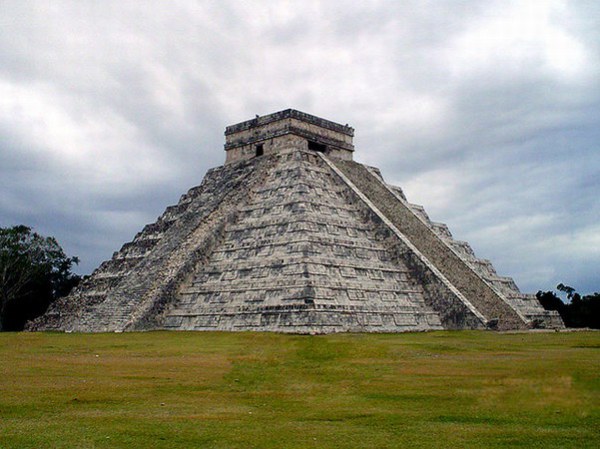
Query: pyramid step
point(420, 212)
point(484, 267)
point(463, 248)
point(397, 190)
point(442, 230)
point(505, 285)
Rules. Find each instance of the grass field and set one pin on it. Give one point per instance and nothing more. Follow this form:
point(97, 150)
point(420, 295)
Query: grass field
point(258, 390)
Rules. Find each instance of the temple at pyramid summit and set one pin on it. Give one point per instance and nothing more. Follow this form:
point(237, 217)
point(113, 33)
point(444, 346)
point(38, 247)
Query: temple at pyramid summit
point(292, 235)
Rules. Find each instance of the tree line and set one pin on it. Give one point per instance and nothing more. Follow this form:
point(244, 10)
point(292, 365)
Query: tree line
point(35, 271)
point(579, 311)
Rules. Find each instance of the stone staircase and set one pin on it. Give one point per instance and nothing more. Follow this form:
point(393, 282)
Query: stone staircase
point(527, 304)
point(497, 297)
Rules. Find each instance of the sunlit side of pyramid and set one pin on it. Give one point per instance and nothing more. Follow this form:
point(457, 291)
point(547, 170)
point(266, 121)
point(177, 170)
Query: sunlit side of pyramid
point(291, 235)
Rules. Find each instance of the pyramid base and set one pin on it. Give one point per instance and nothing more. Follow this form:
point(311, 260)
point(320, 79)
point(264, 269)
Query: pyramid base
point(306, 320)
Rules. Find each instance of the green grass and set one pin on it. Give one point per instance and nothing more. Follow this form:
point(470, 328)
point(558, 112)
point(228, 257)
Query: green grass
point(259, 390)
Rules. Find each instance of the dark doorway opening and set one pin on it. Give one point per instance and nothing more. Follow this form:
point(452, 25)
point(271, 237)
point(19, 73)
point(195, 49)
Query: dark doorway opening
point(260, 150)
point(316, 146)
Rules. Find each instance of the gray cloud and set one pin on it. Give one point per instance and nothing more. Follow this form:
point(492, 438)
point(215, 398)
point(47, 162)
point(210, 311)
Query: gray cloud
point(484, 112)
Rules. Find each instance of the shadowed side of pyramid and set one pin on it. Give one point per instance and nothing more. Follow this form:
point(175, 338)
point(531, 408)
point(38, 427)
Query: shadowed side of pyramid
point(496, 298)
point(291, 235)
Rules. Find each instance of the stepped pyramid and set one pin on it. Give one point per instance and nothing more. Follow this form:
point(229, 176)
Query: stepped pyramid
point(291, 235)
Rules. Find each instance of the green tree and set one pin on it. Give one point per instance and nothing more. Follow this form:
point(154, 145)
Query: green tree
point(580, 311)
point(572, 295)
point(34, 271)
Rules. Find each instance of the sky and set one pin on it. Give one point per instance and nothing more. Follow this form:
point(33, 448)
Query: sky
point(485, 112)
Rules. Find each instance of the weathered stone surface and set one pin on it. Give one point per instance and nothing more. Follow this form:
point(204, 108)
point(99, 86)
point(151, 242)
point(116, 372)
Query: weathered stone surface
point(294, 238)
point(285, 129)
point(301, 258)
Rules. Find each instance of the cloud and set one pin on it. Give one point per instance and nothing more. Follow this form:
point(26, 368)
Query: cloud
point(485, 112)
point(520, 35)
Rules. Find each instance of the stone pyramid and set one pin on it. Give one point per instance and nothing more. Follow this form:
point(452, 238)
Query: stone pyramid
point(291, 235)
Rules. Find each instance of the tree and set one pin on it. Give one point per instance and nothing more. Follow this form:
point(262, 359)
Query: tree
point(34, 271)
point(572, 295)
point(578, 312)
point(550, 301)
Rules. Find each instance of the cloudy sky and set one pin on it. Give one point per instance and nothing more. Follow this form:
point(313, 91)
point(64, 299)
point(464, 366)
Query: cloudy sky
point(485, 112)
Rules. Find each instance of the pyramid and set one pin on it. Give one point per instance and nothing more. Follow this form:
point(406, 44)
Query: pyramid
point(292, 235)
